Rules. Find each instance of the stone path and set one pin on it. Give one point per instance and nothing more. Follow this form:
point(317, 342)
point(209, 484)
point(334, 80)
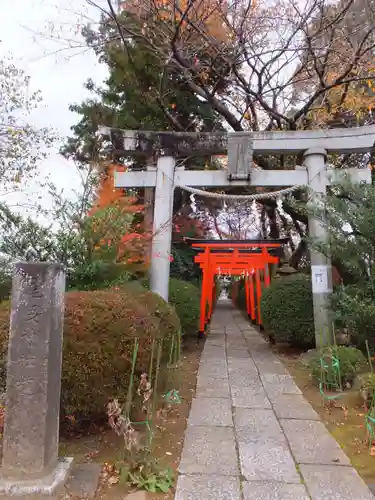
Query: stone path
point(251, 435)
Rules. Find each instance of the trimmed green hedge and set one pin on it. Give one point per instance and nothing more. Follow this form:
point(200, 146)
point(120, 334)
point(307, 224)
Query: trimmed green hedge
point(185, 298)
point(99, 332)
point(287, 310)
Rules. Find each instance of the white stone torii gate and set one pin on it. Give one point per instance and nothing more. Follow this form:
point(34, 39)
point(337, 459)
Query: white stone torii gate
point(240, 146)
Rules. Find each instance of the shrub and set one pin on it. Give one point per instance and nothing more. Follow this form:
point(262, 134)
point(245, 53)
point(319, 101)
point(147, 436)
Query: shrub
point(287, 310)
point(169, 322)
point(355, 310)
point(185, 297)
point(99, 332)
point(97, 275)
point(5, 287)
point(351, 362)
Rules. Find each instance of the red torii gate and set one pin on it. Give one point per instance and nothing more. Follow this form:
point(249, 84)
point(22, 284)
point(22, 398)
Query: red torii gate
point(247, 258)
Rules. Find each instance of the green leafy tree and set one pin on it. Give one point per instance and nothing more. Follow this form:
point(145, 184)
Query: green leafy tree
point(95, 249)
point(348, 216)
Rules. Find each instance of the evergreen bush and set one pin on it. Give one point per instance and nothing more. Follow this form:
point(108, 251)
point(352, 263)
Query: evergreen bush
point(351, 362)
point(287, 310)
point(185, 298)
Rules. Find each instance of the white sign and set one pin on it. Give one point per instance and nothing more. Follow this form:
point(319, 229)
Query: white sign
point(319, 277)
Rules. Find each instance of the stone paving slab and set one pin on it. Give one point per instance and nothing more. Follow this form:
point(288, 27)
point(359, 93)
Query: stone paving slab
point(83, 481)
point(209, 449)
point(271, 490)
point(216, 333)
point(216, 342)
point(211, 412)
point(238, 354)
point(264, 458)
point(213, 362)
point(214, 345)
point(212, 349)
point(208, 488)
point(252, 396)
point(275, 385)
point(212, 388)
point(242, 365)
point(256, 421)
point(208, 358)
point(293, 406)
point(311, 443)
point(271, 368)
point(210, 370)
point(334, 483)
point(240, 346)
point(263, 450)
point(243, 379)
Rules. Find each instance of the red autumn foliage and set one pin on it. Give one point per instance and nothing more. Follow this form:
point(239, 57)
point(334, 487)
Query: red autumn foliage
point(128, 247)
point(107, 194)
point(187, 227)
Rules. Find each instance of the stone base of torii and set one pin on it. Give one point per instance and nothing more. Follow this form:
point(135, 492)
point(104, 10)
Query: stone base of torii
point(168, 147)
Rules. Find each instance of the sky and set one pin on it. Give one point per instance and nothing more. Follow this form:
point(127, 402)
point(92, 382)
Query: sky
point(36, 33)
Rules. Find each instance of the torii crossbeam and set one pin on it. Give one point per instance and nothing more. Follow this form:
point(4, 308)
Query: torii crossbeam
point(167, 147)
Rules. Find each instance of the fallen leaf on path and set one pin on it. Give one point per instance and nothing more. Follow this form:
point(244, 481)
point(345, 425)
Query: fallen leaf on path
point(113, 480)
point(345, 410)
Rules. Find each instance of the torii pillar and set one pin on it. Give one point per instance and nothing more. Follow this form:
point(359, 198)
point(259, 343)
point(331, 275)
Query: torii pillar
point(321, 267)
point(162, 226)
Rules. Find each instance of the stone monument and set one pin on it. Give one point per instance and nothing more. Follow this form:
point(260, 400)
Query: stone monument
point(30, 462)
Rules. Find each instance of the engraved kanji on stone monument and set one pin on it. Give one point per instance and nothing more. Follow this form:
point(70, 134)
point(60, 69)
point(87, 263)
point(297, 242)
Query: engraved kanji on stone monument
point(30, 463)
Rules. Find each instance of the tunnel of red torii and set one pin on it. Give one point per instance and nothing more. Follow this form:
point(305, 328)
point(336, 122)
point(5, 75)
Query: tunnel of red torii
point(249, 259)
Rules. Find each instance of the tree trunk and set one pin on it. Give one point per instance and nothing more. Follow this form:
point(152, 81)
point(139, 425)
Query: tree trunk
point(274, 228)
